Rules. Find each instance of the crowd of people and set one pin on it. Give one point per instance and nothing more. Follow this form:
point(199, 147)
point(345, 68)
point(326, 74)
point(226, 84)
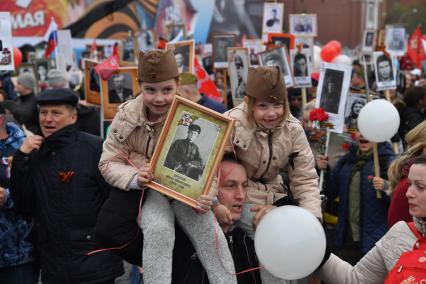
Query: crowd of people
point(73, 206)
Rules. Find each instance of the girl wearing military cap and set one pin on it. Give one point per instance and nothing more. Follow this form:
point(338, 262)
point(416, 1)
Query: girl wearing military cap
point(133, 136)
point(268, 138)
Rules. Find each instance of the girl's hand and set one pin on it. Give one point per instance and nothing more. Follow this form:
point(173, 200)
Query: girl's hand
point(204, 204)
point(223, 215)
point(145, 175)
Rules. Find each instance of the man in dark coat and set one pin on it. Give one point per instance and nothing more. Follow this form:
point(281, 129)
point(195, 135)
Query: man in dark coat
point(55, 178)
point(27, 106)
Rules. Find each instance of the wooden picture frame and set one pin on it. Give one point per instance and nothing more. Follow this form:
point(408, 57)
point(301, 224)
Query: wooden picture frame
point(238, 65)
point(303, 25)
point(179, 176)
point(221, 42)
point(278, 57)
point(281, 39)
point(184, 52)
point(273, 16)
point(92, 82)
point(109, 95)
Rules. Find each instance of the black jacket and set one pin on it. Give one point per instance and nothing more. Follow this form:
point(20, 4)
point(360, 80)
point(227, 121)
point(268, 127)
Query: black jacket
point(89, 119)
point(28, 113)
point(62, 187)
point(188, 269)
point(410, 118)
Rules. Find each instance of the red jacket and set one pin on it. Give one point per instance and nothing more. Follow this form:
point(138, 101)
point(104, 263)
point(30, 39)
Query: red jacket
point(398, 209)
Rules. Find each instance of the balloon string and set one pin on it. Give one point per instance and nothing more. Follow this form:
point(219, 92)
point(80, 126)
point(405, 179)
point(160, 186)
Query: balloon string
point(138, 218)
point(216, 223)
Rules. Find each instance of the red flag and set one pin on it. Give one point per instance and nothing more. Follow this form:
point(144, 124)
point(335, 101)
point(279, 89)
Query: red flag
point(415, 49)
point(106, 68)
point(207, 86)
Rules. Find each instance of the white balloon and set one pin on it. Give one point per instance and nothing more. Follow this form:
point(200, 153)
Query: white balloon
point(290, 242)
point(342, 59)
point(317, 59)
point(378, 121)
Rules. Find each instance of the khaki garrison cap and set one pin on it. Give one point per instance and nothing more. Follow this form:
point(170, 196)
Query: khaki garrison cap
point(157, 66)
point(266, 83)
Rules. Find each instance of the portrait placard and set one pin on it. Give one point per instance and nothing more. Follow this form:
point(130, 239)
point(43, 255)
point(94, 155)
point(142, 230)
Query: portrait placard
point(6, 46)
point(332, 91)
point(354, 103)
point(238, 64)
point(306, 43)
point(280, 39)
point(42, 67)
point(273, 14)
point(121, 87)
point(369, 41)
point(385, 71)
point(184, 55)
point(127, 50)
point(27, 68)
point(255, 46)
point(221, 42)
point(301, 68)
point(145, 40)
point(372, 15)
point(396, 43)
point(189, 150)
point(92, 82)
point(278, 57)
point(303, 24)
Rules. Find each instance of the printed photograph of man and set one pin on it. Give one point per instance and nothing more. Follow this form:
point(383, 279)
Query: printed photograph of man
point(128, 52)
point(354, 104)
point(272, 17)
point(384, 69)
point(331, 90)
point(182, 58)
point(120, 88)
point(300, 68)
point(274, 58)
point(184, 156)
point(220, 46)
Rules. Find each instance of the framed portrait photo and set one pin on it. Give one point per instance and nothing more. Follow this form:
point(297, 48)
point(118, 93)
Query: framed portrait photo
point(277, 57)
point(301, 68)
point(128, 47)
point(27, 68)
point(306, 43)
point(354, 103)
point(92, 82)
point(238, 64)
point(280, 39)
point(255, 46)
point(333, 88)
point(369, 41)
point(396, 43)
point(146, 40)
point(121, 87)
point(42, 67)
point(184, 52)
point(385, 71)
point(189, 150)
point(303, 24)
point(371, 15)
point(221, 42)
point(273, 14)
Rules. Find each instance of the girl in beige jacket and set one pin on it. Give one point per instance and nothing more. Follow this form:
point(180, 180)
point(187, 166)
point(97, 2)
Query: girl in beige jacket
point(134, 133)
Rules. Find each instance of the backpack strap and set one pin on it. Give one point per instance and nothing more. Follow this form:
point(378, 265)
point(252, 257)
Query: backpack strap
point(413, 228)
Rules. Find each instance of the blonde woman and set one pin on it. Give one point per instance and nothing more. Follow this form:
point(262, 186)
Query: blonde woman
point(398, 173)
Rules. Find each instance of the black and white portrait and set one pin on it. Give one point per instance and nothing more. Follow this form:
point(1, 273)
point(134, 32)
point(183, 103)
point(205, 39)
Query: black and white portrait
point(306, 43)
point(42, 67)
point(238, 64)
point(220, 46)
point(301, 68)
point(332, 91)
point(120, 88)
point(385, 71)
point(255, 46)
point(286, 40)
point(184, 55)
point(272, 17)
point(146, 40)
point(371, 12)
point(395, 40)
point(354, 104)
point(27, 68)
point(369, 40)
point(128, 49)
point(94, 83)
point(303, 24)
point(191, 146)
point(278, 57)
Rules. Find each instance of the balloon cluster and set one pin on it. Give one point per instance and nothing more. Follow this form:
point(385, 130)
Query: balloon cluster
point(330, 52)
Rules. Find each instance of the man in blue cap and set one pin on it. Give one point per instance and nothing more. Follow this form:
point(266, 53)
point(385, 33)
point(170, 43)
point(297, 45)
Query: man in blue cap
point(55, 178)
